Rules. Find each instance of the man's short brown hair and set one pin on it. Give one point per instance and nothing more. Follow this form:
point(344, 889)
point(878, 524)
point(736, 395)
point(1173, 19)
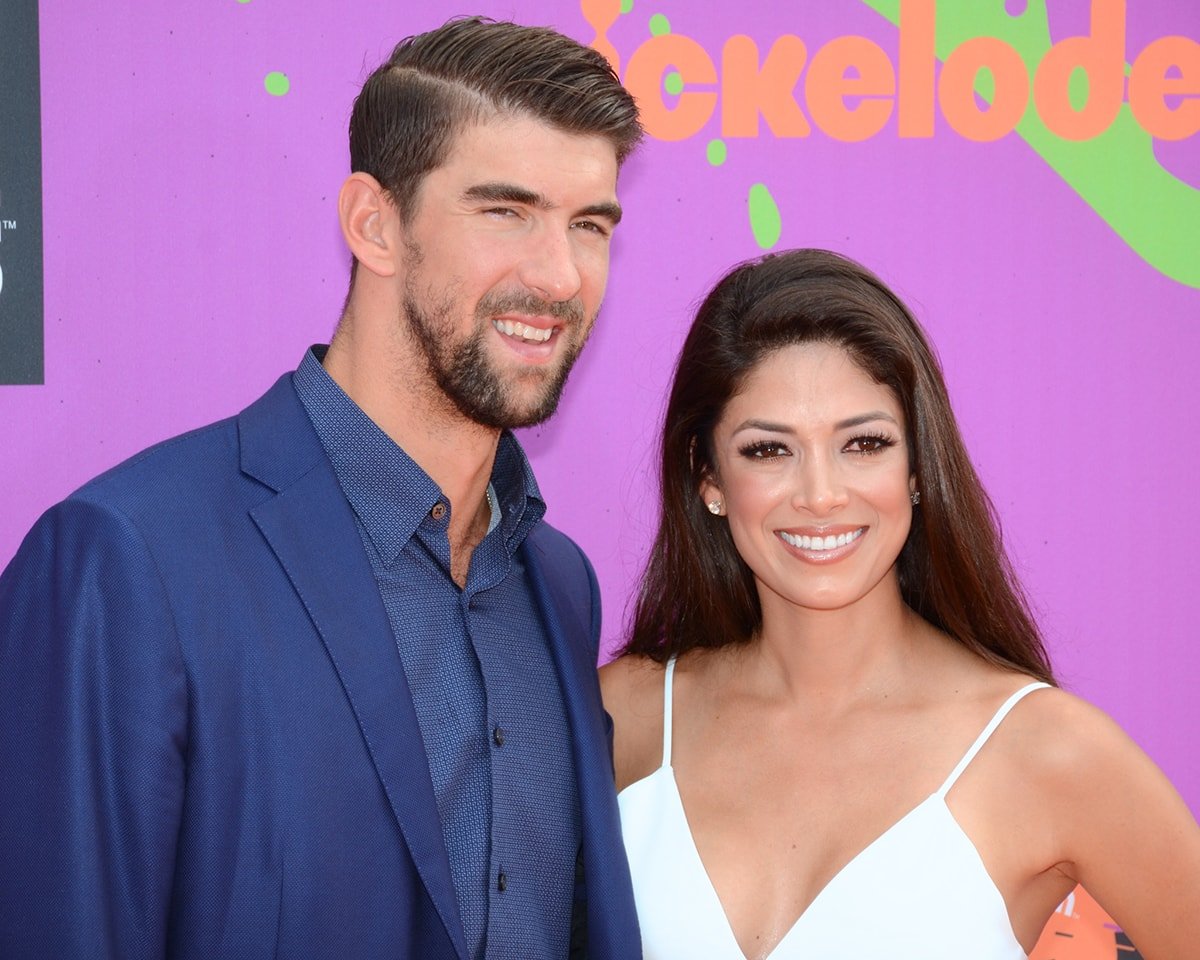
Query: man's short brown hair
point(433, 85)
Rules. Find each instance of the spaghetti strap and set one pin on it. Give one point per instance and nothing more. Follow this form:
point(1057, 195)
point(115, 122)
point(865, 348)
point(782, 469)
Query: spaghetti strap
point(668, 680)
point(987, 732)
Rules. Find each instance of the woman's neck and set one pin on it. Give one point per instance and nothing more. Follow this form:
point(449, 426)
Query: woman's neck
point(840, 656)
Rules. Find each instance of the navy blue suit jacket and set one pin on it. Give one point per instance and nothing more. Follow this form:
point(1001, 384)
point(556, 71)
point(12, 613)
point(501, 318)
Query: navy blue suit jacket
point(207, 744)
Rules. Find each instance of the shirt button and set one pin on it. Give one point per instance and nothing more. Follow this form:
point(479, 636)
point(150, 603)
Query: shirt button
point(498, 736)
point(502, 882)
point(438, 511)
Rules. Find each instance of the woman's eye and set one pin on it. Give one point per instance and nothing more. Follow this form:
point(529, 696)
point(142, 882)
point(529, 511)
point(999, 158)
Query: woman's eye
point(869, 444)
point(764, 450)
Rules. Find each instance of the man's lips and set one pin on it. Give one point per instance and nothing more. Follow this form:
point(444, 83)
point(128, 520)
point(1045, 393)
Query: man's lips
point(533, 339)
point(529, 329)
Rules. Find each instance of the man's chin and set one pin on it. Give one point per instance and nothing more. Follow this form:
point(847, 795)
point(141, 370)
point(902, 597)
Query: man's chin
point(517, 417)
point(517, 412)
point(504, 395)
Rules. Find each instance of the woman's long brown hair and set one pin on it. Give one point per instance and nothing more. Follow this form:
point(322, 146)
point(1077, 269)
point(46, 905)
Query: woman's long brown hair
point(698, 592)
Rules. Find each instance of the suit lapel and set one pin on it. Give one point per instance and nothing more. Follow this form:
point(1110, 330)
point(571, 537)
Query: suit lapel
point(310, 527)
point(612, 931)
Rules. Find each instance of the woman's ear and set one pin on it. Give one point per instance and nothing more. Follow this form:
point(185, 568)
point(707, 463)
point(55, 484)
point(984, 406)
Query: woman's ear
point(710, 493)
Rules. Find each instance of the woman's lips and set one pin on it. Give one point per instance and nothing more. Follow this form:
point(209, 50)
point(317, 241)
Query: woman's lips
point(820, 547)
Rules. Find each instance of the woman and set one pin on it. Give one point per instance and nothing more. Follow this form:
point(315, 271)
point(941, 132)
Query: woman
point(864, 754)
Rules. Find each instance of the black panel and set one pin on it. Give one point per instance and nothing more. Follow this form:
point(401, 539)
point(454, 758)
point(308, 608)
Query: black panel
point(21, 300)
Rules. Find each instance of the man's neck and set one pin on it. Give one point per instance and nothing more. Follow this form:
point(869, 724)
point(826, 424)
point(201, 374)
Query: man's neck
point(456, 453)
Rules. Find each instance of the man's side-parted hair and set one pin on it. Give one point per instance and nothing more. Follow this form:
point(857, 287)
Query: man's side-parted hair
point(434, 84)
point(697, 590)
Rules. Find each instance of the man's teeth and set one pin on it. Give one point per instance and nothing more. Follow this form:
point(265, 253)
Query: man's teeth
point(522, 330)
point(830, 542)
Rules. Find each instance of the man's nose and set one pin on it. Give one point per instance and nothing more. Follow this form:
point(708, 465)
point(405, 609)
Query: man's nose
point(549, 268)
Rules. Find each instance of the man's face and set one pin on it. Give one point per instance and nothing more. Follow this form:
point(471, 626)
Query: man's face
point(506, 259)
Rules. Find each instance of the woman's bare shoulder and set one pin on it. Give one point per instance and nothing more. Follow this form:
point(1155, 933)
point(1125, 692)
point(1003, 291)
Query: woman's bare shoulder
point(1126, 833)
point(632, 687)
point(1086, 773)
point(1064, 738)
point(629, 674)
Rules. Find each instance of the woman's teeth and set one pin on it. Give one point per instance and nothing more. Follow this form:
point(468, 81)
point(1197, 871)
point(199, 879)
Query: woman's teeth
point(831, 542)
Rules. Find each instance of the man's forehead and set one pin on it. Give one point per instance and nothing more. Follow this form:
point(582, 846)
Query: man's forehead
point(499, 140)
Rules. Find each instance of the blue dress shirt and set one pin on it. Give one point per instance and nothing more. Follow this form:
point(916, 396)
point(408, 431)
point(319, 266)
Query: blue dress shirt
point(483, 683)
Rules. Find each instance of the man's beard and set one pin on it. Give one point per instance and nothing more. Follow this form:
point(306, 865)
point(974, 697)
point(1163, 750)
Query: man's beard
point(466, 375)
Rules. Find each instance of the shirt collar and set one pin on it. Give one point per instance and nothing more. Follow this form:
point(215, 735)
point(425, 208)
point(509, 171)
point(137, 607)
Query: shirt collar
point(386, 488)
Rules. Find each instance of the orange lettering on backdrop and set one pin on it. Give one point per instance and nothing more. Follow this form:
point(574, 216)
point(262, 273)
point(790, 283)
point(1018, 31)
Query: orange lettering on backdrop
point(850, 88)
point(956, 88)
point(1101, 56)
point(1149, 86)
point(748, 90)
point(602, 14)
point(827, 86)
point(644, 79)
point(917, 57)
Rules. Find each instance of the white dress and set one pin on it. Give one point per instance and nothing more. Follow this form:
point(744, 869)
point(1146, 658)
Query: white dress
point(918, 892)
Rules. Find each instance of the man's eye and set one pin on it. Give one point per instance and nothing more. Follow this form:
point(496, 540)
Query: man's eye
point(592, 227)
point(501, 211)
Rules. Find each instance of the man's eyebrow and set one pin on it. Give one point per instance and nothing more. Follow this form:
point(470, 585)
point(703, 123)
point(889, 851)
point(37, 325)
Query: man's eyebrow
point(499, 192)
point(609, 211)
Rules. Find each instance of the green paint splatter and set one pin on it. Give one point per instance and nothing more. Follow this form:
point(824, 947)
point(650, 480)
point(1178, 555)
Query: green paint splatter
point(764, 217)
point(673, 83)
point(626, 6)
point(716, 152)
point(1116, 173)
point(277, 83)
point(659, 25)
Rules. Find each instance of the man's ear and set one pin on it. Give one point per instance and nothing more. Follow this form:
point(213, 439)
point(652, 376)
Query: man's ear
point(369, 222)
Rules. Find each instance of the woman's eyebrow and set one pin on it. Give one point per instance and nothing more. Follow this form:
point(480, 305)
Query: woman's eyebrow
point(864, 418)
point(856, 421)
point(766, 425)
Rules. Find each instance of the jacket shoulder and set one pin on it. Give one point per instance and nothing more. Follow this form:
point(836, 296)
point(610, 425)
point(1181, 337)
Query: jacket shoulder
point(553, 544)
point(182, 473)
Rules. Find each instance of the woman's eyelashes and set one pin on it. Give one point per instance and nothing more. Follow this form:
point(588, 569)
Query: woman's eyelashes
point(764, 450)
point(870, 443)
point(864, 444)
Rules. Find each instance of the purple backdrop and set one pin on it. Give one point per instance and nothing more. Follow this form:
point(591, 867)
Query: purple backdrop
point(192, 253)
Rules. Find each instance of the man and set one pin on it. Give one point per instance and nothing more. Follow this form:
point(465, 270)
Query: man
point(317, 681)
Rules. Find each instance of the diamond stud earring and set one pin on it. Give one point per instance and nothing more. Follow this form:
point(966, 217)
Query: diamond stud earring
point(915, 497)
point(714, 507)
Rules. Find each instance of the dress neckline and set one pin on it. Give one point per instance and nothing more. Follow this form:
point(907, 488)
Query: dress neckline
point(937, 799)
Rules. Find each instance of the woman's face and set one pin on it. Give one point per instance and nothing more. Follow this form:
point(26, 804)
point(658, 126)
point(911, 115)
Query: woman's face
point(813, 476)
